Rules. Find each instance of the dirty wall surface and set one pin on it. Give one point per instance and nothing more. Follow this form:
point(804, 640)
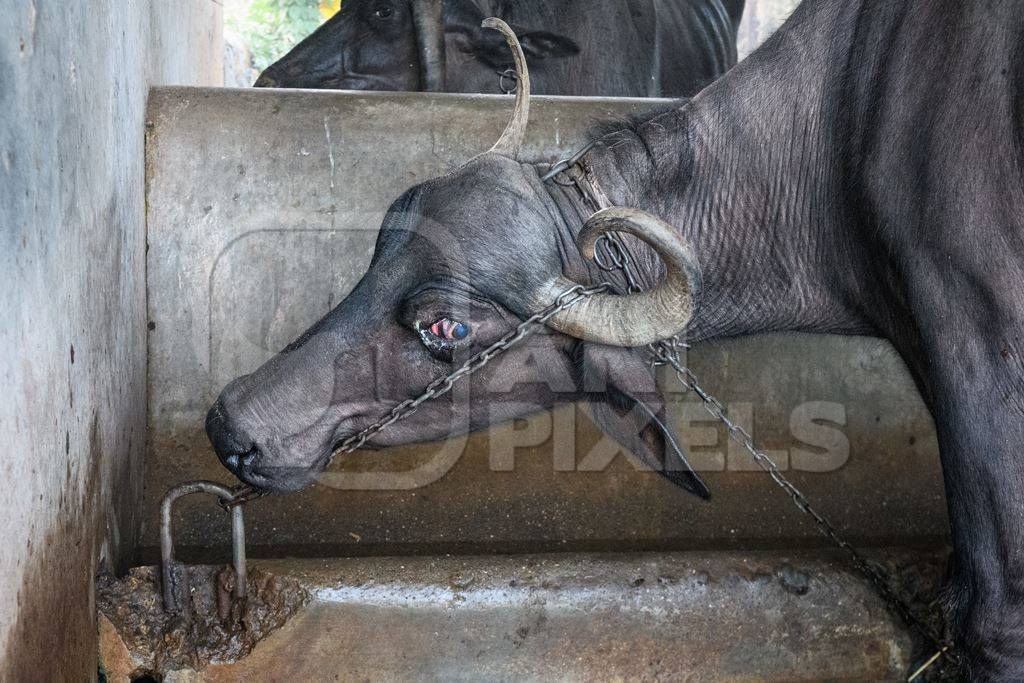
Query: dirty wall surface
point(74, 78)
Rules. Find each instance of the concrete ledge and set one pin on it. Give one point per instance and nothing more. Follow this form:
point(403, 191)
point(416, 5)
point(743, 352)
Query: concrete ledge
point(675, 616)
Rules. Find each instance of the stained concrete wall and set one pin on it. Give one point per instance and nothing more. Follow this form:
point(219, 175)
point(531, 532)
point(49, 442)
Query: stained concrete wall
point(74, 79)
point(264, 207)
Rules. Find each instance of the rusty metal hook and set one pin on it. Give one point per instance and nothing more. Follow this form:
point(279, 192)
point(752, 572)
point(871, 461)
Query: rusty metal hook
point(174, 579)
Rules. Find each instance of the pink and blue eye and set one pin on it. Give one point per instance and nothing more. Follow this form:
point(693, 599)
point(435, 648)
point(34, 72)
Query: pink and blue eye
point(450, 330)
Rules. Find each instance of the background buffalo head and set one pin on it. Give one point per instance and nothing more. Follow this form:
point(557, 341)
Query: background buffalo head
point(401, 45)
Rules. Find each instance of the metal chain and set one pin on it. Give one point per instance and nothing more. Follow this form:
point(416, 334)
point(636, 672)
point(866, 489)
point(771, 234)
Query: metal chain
point(611, 254)
point(443, 385)
point(667, 355)
point(245, 492)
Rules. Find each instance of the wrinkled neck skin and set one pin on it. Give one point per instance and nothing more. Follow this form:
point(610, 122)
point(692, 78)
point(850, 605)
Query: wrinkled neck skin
point(746, 172)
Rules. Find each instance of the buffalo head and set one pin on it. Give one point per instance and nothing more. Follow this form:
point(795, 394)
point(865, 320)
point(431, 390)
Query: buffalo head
point(460, 261)
point(400, 45)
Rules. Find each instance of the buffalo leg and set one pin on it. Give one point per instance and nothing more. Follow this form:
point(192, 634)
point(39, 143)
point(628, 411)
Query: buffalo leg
point(977, 395)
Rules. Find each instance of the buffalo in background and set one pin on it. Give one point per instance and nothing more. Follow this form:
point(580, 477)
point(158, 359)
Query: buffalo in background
point(612, 48)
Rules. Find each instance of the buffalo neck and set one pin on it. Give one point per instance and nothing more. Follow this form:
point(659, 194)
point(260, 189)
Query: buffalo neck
point(748, 172)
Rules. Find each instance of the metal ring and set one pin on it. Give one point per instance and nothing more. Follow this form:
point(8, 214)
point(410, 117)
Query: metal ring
point(508, 75)
point(608, 249)
point(167, 543)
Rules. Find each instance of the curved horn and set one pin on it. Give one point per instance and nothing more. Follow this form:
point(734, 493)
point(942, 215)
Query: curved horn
point(512, 139)
point(635, 319)
point(428, 19)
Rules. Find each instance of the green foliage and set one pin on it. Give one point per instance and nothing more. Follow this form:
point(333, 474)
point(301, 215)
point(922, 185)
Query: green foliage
point(272, 27)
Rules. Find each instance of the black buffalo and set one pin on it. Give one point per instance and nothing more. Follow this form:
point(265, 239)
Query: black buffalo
point(861, 173)
point(639, 48)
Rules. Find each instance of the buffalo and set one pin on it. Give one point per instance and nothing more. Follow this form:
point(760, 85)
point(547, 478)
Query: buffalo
point(861, 173)
point(639, 48)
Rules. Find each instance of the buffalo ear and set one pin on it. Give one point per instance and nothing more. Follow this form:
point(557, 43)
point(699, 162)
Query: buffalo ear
point(626, 403)
point(491, 48)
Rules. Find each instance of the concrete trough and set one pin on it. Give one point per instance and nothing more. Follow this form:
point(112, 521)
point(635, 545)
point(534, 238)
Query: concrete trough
point(638, 617)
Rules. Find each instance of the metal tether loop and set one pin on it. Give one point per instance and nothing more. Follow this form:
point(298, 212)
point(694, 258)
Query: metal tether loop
point(175, 577)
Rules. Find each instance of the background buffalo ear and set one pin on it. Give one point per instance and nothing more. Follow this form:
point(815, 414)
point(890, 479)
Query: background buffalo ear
point(625, 402)
point(490, 46)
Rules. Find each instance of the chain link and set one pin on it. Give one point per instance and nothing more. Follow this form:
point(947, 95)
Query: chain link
point(241, 494)
point(610, 255)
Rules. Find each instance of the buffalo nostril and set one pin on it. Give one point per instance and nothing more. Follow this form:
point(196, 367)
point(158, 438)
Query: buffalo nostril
point(235, 449)
point(240, 463)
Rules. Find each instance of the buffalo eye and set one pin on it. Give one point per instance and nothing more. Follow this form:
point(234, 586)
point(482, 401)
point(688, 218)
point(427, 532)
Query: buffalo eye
point(449, 330)
point(383, 12)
